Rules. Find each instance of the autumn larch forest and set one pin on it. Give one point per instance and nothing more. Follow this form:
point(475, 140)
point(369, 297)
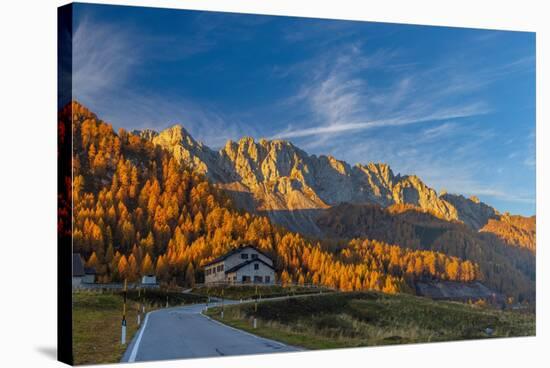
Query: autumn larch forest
point(137, 211)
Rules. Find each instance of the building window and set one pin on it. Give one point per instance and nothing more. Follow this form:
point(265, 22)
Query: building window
point(254, 256)
point(245, 279)
point(258, 279)
point(267, 279)
point(256, 266)
point(244, 256)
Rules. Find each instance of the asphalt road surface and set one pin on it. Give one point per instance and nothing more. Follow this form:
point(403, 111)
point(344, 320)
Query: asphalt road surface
point(183, 332)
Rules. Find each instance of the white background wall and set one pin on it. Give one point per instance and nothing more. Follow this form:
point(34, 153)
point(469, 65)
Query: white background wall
point(28, 180)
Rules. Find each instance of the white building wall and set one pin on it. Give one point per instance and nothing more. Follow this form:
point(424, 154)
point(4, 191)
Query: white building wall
point(236, 258)
point(77, 281)
point(232, 261)
point(88, 279)
point(217, 276)
point(249, 270)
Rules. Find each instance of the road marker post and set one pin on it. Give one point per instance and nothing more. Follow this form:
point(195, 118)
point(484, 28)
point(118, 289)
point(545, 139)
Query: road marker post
point(222, 304)
point(256, 300)
point(254, 323)
point(139, 308)
point(143, 304)
point(123, 328)
point(166, 301)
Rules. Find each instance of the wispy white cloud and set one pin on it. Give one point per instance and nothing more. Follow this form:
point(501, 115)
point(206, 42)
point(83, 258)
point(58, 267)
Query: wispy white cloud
point(501, 195)
point(343, 99)
point(355, 116)
point(341, 107)
point(438, 131)
point(444, 114)
point(159, 111)
point(530, 157)
point(104, 56)
point(107, 56)
point(529, 161)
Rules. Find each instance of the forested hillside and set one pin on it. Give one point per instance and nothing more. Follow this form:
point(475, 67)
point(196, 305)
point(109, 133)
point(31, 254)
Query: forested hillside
point(138, 211)
point(514, 230)
point(508, 269)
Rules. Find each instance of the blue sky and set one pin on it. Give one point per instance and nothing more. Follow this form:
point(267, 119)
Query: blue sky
point(454, 106)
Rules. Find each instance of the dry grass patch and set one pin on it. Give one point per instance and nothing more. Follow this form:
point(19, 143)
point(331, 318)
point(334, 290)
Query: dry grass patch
point(372, 318)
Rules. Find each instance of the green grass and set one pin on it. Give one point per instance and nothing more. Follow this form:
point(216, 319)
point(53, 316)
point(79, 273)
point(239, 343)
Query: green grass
point(249, 291)
point(97, 321)
point(371, 318)
point(157, 298)
point(97, 325)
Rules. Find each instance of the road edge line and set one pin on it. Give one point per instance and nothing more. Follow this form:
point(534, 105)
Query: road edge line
point(133, 354)
point(251, 334)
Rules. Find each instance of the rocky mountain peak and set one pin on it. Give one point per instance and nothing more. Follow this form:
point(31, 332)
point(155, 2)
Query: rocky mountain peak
point(177, 134)
point(147, 134)
point(472, 211)
point(341, 167)
point(474, 199)
point(292, 187)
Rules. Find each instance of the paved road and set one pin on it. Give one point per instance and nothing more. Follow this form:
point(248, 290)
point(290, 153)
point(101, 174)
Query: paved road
point(183, 332)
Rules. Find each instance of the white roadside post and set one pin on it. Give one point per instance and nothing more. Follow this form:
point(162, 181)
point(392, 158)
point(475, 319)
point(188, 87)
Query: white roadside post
point(139, 309)
point(222, 305)
point(143, 304)
point(255, 307)
point(123, 329)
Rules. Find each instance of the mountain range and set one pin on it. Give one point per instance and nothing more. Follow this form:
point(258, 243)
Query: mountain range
point(146, 199)
point(293, 188)
point(330, 200)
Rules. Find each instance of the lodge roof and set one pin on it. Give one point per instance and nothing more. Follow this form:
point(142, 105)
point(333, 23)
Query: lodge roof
point(79, 269)
point(241, 265)
point(78, 265)
point(235, 251)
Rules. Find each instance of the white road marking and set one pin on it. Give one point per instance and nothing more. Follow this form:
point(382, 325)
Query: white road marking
point(248, 333)
point(135, 348)
point(136, 345)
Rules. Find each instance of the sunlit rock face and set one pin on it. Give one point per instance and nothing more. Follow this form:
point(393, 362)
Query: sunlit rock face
point(292, 187)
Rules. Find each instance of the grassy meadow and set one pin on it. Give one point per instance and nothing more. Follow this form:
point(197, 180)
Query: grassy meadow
point(94, 313)
point(157, 298)
point(341, 320)
point(249, 291)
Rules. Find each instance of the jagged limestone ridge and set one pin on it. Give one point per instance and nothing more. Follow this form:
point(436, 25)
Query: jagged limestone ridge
point(291, 186)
